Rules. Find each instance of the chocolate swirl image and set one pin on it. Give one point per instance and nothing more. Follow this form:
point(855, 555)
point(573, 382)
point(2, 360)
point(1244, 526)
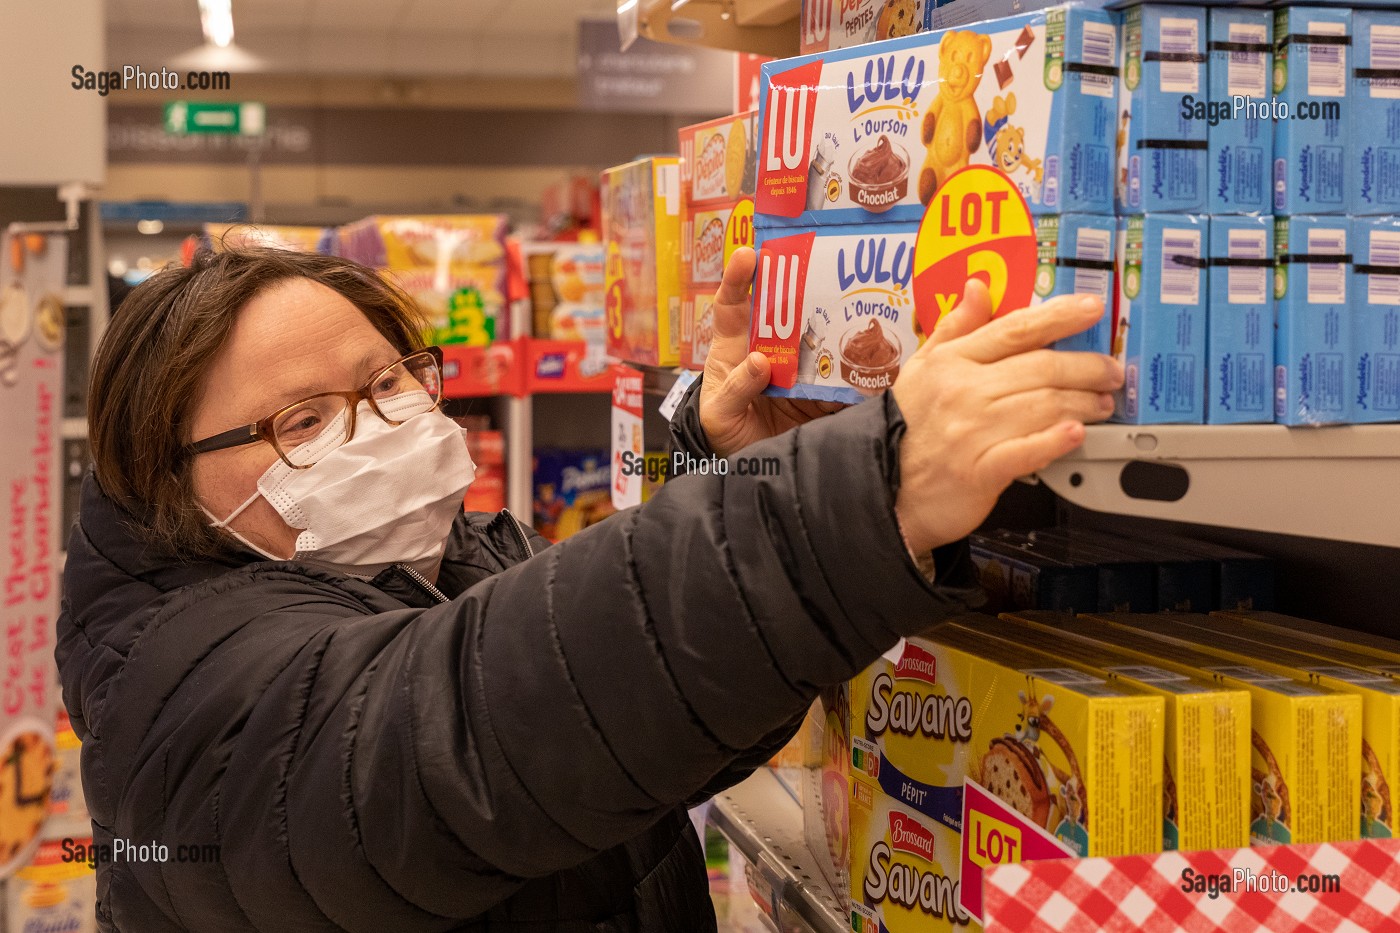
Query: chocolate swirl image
point(870, 348)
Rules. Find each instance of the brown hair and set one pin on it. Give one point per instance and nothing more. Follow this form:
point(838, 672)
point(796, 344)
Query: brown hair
point(150, 368)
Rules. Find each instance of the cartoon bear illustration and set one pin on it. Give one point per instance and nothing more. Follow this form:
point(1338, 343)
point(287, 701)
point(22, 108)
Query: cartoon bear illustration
point(952, 128)
point(1006, 143)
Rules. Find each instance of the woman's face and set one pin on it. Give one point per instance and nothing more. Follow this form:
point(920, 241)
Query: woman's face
point(293, 340)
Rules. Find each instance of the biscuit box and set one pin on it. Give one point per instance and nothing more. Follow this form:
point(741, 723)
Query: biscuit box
point(1162, 146)
point(838, 24)
point(697, 326)
point(420, 241)
point(834, 309)
point(826, 793)
point(1074, 256)
point(1306, 738)
point(1014, 576)
point(641, 268)
point(571, 490)
point(719, 160)
point(1159, 326)
point(706, 237)
point(1240, 128)
point(1240, 321)
point(1385, 652)
point(55, 891)
point(870, 133)
point(1310, 81)
point(1123, 582)
point(1380, 704)
point(1205, 770)
point(1375, 319)
point(1373, 175)
point(986, 753)
point(1242, 580)
point(1313, 354)
point(1180, 582)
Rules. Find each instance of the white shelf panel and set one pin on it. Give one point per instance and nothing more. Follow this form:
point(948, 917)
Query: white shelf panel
point(1335, 482)
point(763, 819)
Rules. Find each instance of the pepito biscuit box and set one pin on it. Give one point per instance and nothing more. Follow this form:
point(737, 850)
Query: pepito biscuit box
point(869, 134)
point(719, 160)
point(840, 24)
point(968, 752)
point(1313, 350)
point(697, 326)
point(1205, 769)
point(1375, 319)
point(834, 309)
point(1306, 739)
point(1312, 61)
point(1162, 147)
point(1379, 759)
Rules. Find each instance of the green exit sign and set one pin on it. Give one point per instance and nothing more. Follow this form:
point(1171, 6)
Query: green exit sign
point(231, 119)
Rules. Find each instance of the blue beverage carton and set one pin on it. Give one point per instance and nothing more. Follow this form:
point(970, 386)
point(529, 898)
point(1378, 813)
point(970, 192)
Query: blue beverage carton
point(1313, 352)
point(1240, 323)
point(870, 133)
point(1241, 153)
point(1162, 146)
point(1074, 255)
point(1374, 172)
point(1314, 124)
point(1375, 303)
point(1159, 327)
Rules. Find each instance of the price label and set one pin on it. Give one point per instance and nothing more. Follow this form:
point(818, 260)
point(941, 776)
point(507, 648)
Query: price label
point(977, 226)
point(627, 450)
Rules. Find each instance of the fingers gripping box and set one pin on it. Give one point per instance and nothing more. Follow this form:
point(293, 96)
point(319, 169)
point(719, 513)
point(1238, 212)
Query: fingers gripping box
point(969, 752)
point(1240, 321)
point(1311, 53)
point(1205, 770)
point(870, 133)
point(834, 309)
point(1313, 343)
point(1241, 144)
point(1373, 174)
point(1162, 148)
point(1159, 326)
point(1375, 319)
point(1306, 739)
point(1075, 257)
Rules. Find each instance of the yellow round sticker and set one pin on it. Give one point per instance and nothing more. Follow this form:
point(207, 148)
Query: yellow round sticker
point(976, 226)
point(739, 231)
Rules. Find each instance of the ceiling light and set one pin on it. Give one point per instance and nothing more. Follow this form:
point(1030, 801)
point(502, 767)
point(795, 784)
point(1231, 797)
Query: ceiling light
point(150, 227)
point(216, 19)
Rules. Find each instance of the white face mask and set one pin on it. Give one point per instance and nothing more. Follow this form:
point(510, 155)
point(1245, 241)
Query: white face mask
point(387, 496)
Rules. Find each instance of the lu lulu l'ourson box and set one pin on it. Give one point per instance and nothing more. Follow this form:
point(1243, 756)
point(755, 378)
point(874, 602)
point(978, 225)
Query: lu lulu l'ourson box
point(1313, 356)
point(1374, 173)
point(1159, 327)
point(1375, 319)
point(870, 133)
point(1311, 136)
point(1162, 146)
point(1240, 131)
point(1240, 326)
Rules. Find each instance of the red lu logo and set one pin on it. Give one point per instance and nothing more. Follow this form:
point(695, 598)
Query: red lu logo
point(780, 291)
point(787, 139)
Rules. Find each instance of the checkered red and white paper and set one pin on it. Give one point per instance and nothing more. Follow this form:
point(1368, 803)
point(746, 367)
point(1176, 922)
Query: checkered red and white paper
point(1144, 892)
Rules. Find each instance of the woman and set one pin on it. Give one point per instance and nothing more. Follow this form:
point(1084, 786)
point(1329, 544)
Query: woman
point(283, 638)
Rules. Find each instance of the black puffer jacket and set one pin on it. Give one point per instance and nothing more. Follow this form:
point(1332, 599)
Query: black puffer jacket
point(368, 758)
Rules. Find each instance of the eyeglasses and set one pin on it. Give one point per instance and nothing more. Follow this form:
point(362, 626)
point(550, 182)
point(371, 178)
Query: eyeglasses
point(305, 431)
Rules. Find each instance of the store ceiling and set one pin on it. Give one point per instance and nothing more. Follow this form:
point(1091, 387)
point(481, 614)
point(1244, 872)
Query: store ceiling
point(529, 38)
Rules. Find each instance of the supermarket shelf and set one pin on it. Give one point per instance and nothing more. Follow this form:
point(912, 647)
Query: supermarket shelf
point(1334, 483)
point(764, 27)
point(763, 819)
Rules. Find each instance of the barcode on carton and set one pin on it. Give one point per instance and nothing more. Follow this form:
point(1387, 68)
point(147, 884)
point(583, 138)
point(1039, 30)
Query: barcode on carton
point(1095, 245)
point(1385, 55)
point(1385, 251)
point(1100, 48)
point(1247, 285)
point(1327, 282)
point(1180, 36)
point(1247, 72)
point(1327, 64)
point(1181, 279)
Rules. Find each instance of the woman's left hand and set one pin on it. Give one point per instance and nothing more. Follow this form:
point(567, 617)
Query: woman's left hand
point(733, 409)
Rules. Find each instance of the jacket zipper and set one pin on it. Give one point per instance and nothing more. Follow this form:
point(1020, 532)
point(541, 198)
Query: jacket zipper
point(520, 535)
point(422, 581)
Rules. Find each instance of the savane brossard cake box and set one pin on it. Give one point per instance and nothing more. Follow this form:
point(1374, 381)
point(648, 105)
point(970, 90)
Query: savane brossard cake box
point(968, 752)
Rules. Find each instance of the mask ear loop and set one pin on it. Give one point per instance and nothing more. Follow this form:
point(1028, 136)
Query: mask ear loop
point(224, 525)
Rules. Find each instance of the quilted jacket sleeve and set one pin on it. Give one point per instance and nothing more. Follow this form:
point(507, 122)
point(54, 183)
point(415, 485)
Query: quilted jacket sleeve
point(388, 769)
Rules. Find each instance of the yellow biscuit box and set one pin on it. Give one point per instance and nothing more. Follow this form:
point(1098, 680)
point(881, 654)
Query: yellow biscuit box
point(968, 752)
point(1311, 637)
point(1305, 738)
point(641, 261)
point(1337, 669)
point(1205, 768)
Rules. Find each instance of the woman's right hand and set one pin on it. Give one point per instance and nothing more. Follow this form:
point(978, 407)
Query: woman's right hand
point(985, 403)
